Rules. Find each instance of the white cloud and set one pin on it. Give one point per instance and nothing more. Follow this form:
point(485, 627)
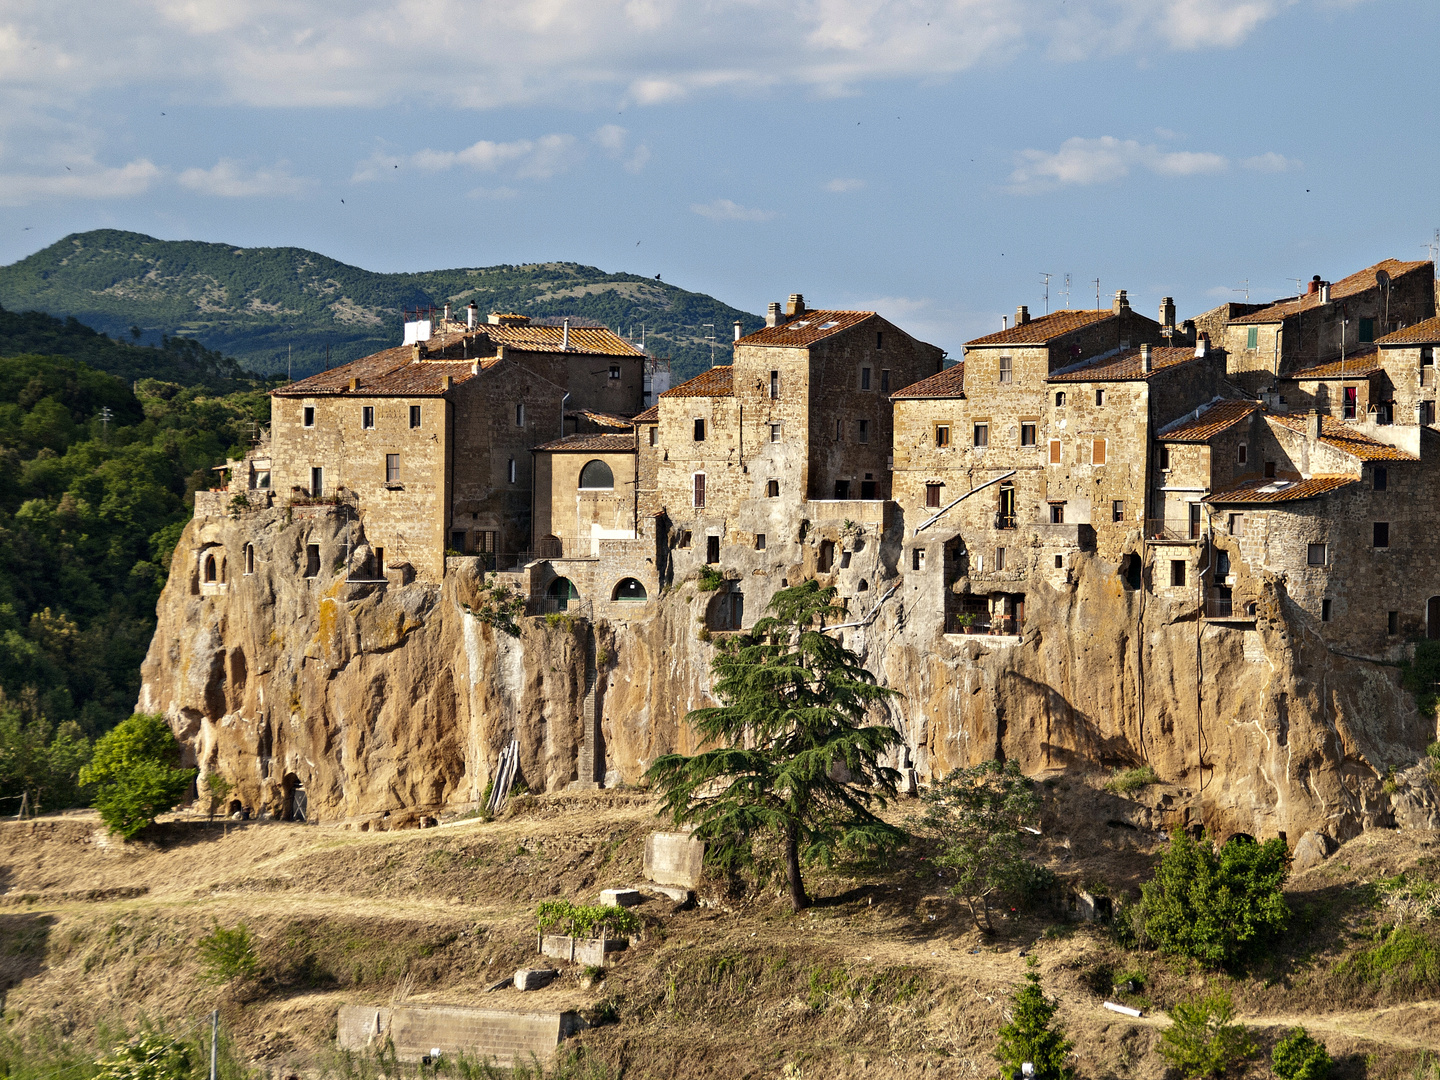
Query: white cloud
point(615, 141)
point(839, 186)
point(1097, 161)
point(726, 210)
point(228, 180)
point(1272, 162)
point(79, 181)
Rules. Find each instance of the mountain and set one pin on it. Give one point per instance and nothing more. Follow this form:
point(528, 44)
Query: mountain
point(263, 305)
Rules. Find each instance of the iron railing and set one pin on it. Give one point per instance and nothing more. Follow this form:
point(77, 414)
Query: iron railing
point(1171, 529)
point(574, 607)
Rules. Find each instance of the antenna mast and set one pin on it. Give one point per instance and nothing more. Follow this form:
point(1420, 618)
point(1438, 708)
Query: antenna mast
point(1046, 278)
point(1067, 292)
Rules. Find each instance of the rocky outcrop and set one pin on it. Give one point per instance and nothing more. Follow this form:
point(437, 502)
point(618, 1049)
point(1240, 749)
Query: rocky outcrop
point(385, 700)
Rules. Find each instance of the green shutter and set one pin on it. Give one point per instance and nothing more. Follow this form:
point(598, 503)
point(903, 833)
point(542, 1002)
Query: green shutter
point(1252, 337)
point(1367, 330)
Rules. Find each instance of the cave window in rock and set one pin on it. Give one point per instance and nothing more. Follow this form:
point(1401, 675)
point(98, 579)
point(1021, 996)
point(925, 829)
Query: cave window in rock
point(827, 556)
point(596, 474)
point(727, 609)
point(561, 594)
point(249, 558)
point(629, 589)
point(312, 560)
point(293, 803)
point(210, 570)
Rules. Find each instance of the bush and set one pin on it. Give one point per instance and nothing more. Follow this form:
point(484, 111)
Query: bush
point(585, 921)
point(1405, 961)
point(1201, 1040)
point(1128, 781)
point(1217, 907)
point(1421, 674)
point(1030, 1037)
point(150, 1057)
point(133, 770)
point(228, 955)
point(1299, 1057)
point(709, 579)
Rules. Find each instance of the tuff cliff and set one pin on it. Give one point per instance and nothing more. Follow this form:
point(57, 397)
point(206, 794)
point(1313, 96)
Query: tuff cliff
point(387, 700)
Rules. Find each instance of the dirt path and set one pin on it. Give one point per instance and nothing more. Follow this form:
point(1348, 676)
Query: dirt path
point(1413, 1026)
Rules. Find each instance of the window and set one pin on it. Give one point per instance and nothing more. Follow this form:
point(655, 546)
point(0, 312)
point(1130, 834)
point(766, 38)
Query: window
point(1325, 610)
point(1241, 453)
point(1164, 459)
point(1351, 396)
point(628, 589)
point(1367, 331)
point(1099, 395)
point(879, 340)
point(307, 416)
point(885, 380)
point(1117, 510)
point(759, 541)
point(699, 430)
point(1177, 573)
point(392, 468)
point(1222, 565)
point(1237, 524)
point(249, 558)
point(942, 435)
point(1006, 519)
point(1270, 469)
point(510, 469)
point(999, 558)
point(596, 474)
point(826, 557)
point(1392, 622)
point(932, 494)
point(1380, 478)
point(487, 541)
point(774, 385)
point(1427, 412)
point(457, 540)
point(867, 487)
point(1054, 451)
point(698, 480)
point(209, 569)
point(1027, 433)
point(864, 431)
point(1316, 554)
point(654, 436)
point(842, 490)
point(1385, 412)
point(1252, 338)
point(864, 378)
point(774, 432)
point(1007, 369)
point(683, 541)
point(917, 558)
point(712, 549)
point(1059, 399)
point(1097, 452)
point(772, 489)
point(1057, 513)
point(414, 416)
point(1195, 521)
point(1059, 562)
point(1427, 365)
point(982, 435)
point(312, 560)
point(367, 416)
point(317, 482)
point(520, 415)
point(615, 371)
point(1382, 534)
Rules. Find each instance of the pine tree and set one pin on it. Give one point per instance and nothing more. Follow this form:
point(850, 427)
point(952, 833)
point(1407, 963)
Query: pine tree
point(1029, 1036)
point(794, 761)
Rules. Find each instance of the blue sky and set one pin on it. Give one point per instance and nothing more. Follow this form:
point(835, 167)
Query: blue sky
point(930, 159)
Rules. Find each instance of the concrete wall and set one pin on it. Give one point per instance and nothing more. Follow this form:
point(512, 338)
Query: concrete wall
point(501, 1037)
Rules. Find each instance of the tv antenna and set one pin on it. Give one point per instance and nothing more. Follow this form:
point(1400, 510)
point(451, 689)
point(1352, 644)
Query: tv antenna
point(711, 327)
point(1097, 294)
point(1067, 292)
point(1243, 287)
point(1046, 278)
point(1432, 246)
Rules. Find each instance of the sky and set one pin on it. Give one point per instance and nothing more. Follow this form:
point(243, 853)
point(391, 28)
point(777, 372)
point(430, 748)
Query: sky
point(929, 159)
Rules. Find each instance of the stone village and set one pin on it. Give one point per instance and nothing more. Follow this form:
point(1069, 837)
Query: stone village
point(1296, 438)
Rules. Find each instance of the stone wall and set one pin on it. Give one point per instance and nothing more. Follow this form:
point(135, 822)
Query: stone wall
point(496, 1036)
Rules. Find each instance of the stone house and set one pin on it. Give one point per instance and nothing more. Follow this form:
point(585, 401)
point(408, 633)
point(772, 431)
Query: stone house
point(601, 372)
point(1407, 357)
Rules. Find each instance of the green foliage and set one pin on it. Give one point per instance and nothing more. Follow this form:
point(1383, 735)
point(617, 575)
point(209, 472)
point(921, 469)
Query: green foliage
point(134, 774)
point(792, 720)
point(217, 788)
point(499, 605)
point(39, 760)
point(259, 302)
point(709, 579)
point(1217, 907)
point(1201, 1040)
point(149, 1057)
point(1421, 675)
point(1129, 781)
point(585, 921)
point(1404, 961)
point(228, 955)
point(977, 816)
point(1032, 1035)
point(1300, 1057)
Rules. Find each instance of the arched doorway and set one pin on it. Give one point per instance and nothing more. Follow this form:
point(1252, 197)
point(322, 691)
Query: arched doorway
point(629, 589)
point(1432, 618)
point(561, 593)
point(210, 574)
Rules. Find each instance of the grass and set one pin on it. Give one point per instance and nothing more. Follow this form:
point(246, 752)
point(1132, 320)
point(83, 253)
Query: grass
point(1129, 781)
point(1404, 962)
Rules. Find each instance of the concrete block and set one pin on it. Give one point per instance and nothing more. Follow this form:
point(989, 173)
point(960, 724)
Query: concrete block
point(417, 1031)
point(620, 897)
point(674, 858)
point(671, 892)
point(533, 978)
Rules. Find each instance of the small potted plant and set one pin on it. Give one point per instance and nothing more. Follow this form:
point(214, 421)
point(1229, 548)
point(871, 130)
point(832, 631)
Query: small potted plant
point(966, 621)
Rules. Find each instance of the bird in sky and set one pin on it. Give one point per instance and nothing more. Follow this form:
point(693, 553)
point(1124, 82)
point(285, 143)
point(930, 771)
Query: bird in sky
point(342, 202)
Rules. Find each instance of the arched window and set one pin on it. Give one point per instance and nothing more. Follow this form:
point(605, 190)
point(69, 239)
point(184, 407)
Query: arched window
point(1059, 398)
point(596, 474)
point(629, 589)
point(209, 569)
point(561, 592)
point(249, 558)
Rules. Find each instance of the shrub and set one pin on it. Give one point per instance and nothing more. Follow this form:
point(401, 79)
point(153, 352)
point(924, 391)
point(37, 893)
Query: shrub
point(1299, 1057)
point(1217, 907)
point(217, 787)
point(228, 955)
point(499, 605)
point(1404, 961)
point(1128, 781)
point(150, 1057)
point(585, 921)
point(133, 770)
point(1031, 1036)
point(709, 579)
point(1201, 1040)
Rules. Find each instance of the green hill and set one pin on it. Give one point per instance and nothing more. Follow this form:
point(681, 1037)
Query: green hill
point(257, 304)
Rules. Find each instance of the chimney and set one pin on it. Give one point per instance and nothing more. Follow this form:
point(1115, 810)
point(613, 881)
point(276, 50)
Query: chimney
point(1324, 292)
point(1004, 322)
point(447, 310)
point(1167, 311)
point(1122, 303)
point(772, 314)
point(796, 306)
point(565, 337)
point(1187, 329)
point(1022, 315)
point(354, 384)
point(472, 315)
point(737, 329)
point(1145, 361)
point(1202, 345)
point(444, 383)
point(1314, 286)
point(1312, 425)
point(493, 318)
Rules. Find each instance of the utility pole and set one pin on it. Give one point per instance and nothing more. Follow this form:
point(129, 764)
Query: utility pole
point(105, 417)
point(1046, 278)
point(214, 1044)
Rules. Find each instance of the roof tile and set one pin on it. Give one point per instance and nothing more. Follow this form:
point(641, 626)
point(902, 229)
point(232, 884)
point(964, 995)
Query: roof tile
point(649, 416)
point(1356, 283)
point(949, 383)
point(1358, 365)
point(712, 382)
point(1271, 490)
point(1219, 417)
point(805, 329)
point(1126, 366)
point(608, 441)
point(393, 372)
point(1343, 437)
point(1044, 329)
point(595, 341)
point(1422, 333)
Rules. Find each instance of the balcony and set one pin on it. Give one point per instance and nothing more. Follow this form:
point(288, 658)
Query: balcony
point(860, 511)
point(1006, 521)
point(1220, 606)
point(1172, 530)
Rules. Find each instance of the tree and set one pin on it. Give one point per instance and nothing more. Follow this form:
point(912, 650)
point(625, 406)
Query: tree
point(1217, 907)
point(134, 773)
point(149, 1057)
point(977, 815)
point(1300, 1057)
point(228, 955)
point(794, 760)
point(37, 764)
point(1201, 1040)
point(1029, 1035)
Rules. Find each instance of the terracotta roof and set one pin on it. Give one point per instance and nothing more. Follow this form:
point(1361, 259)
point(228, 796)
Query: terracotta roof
point(949, 383)
point(1358, 365)
point(1422, 333)
point(393, 372)
point(712, 382)
point(1343, 437)
point(1356, 283)
point(1126, 365)
point(602, 419)
point(1271, 490)
point(1044, 329)
point(583, 339)
point(1217, 418)
point(649, 416)
point(608, 441)
point(805, 329)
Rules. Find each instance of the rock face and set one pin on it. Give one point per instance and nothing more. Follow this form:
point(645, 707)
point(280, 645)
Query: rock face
point(386, 701)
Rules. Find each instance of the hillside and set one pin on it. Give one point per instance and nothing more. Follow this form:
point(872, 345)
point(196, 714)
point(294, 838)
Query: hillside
point(258, 303)
point(885, 977)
